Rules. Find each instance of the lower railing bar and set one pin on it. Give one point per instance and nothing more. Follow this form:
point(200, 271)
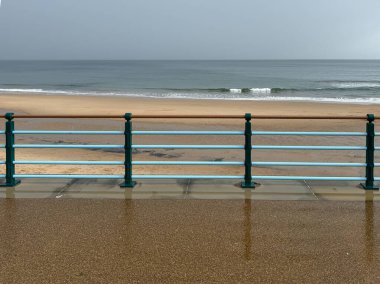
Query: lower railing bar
point(2, 132)
point(188, 147)
point(309, 178)
point(210, 163)
point(2, 162)
point(302, 164)
point(121, 176)
point(2, 176)
point(187, 132)
point(184, 177)
point(189, 177)
point(293, 133)
point(2, 146)
point(68, 162)
point(71, 176)
point(200, 163)
point(68, 132)
point(77, 146)
point(275, 147)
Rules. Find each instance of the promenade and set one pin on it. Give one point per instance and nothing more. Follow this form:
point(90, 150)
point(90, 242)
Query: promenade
point(188, 232)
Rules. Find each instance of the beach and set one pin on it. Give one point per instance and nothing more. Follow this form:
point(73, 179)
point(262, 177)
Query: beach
point(118, 105)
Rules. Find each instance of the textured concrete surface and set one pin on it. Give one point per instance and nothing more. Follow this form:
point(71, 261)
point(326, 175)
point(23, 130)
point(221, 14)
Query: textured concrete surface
point(187, 189)
point(248, 241)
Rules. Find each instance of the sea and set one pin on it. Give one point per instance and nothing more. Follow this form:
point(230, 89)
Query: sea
point(342, 81)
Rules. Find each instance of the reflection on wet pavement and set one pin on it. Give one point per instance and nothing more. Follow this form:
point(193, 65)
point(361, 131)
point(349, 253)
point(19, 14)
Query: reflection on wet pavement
point(247, 229)
point(72, 240)
point(369, 227)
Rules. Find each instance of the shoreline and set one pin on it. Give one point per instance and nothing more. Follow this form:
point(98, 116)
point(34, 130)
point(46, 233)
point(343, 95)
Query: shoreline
point(269, 99)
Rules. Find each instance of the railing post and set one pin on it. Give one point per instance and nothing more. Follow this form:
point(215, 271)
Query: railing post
point(10, 181)
point(370, 154)
point(248, 183)
point(128, 182)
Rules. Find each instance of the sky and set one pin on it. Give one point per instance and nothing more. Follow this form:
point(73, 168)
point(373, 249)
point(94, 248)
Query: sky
point(189, 29)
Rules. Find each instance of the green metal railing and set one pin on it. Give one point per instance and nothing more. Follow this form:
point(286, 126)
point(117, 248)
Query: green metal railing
point(11, 178)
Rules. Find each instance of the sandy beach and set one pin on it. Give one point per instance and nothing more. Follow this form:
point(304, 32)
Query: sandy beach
point(54, 104)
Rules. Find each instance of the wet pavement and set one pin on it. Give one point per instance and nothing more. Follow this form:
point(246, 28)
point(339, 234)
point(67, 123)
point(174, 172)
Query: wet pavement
point(120, 241)
point(188, 189)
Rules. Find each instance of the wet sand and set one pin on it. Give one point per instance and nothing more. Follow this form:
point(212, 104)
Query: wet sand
point(119, 241)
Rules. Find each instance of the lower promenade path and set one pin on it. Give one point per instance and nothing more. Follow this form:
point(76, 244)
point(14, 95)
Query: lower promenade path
point(188, 231)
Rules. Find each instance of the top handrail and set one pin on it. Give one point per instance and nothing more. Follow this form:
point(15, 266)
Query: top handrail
point(175, 116)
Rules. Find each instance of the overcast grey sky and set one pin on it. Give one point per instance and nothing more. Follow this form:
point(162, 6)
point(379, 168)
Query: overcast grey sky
point(189, 29)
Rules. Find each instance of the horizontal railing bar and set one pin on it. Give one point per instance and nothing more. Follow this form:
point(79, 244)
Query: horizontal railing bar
point(2, 162)
point(64, 116)
point(121, 176)
point(190, 177)
point(71, 176)
point(2, 176)
point(361, 117)
point(285, 133)
point(68, 132)
point(257, 147)
point(211, 163)
point(216, 163)
point(187, 147)
point(68, 162)
point(309, 178)
point(2, 146)
point(293, 133)
point(188, 132)
point(2, 132)
point(67, 146)
point(275, 147)
point(309, 164)
point(184, 177)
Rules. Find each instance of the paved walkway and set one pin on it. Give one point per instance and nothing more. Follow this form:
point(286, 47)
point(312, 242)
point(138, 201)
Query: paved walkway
point(182, 241)
point(189, 189)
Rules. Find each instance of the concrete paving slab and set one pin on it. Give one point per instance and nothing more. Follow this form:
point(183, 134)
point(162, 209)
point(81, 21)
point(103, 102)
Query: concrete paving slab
point(187, 189)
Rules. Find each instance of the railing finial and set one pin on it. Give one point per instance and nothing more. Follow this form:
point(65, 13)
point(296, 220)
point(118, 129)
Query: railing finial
point(9, 116)
point(370, 117)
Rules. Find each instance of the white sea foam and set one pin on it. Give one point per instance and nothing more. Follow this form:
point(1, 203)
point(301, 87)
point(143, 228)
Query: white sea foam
point(261, 90)
point(41, 91)
point(22, 90)
point(202, 96)
point(355, 85)
point(252, 90)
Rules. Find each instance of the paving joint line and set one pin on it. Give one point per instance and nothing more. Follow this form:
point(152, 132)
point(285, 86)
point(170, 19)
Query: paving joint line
point(311, 190)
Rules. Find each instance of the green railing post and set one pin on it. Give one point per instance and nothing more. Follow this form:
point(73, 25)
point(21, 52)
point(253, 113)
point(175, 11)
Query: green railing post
point(10, 181)
point(128, 182)
point(370, 154)
point(248, 183)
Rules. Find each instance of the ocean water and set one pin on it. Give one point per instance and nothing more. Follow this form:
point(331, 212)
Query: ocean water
point(346, 81)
